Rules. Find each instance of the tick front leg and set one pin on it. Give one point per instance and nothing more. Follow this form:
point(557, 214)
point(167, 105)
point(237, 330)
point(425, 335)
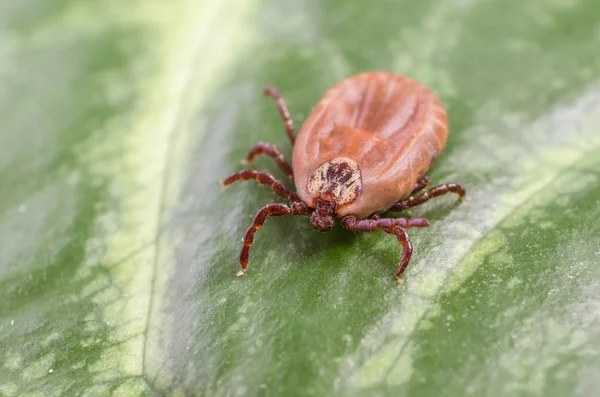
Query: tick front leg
point(431, 193)
point(283, 111)
point(297, 208)
point(262, 178)
point(395, 226)
point(271, 151)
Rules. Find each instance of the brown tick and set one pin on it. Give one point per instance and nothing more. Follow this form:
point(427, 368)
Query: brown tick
point(363, 150)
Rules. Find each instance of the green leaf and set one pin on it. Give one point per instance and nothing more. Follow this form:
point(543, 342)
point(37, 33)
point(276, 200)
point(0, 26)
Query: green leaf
point(118, 247)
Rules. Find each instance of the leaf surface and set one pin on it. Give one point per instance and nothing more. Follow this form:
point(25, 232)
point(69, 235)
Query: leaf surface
point(118, 247)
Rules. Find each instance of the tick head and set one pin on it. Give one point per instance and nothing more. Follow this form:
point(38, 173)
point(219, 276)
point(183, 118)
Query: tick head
point(335, 183)
point(322, 218)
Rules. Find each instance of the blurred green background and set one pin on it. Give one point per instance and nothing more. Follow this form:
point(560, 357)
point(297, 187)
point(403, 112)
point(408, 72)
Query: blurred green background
point(118, 247)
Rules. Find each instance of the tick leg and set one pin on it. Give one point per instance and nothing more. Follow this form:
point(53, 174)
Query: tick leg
point(271, 151)
point(297, 208)
point(395, 226)
point(283, 111)
point(407, 248)
point(420, 185)
point(262, 178)
point(431, 193)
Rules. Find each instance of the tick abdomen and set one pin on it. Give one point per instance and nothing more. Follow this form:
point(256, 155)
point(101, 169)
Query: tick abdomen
point(392, 127)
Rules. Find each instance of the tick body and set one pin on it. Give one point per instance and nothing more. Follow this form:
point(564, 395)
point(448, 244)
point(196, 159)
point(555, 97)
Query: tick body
point(363, 150)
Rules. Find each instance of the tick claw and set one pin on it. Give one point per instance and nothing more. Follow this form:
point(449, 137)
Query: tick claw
point(399, 280)
point(221, 182)
point(240, 273)
point(244, 162)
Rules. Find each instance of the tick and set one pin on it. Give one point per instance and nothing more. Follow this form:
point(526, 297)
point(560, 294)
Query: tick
point(363, 150)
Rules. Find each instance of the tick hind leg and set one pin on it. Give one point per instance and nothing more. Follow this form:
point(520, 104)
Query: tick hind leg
point(395, 226)
point(420, 185)
point(262, 178)
point(283, 111)
point(428, 195)
point(271, 151)
point(297, 208)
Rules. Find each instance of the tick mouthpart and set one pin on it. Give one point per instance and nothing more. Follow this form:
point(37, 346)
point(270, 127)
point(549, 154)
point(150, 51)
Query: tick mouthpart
point(322, 219)
point(322, 223)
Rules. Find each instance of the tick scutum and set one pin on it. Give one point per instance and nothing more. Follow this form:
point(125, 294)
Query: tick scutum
point(337, 180)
